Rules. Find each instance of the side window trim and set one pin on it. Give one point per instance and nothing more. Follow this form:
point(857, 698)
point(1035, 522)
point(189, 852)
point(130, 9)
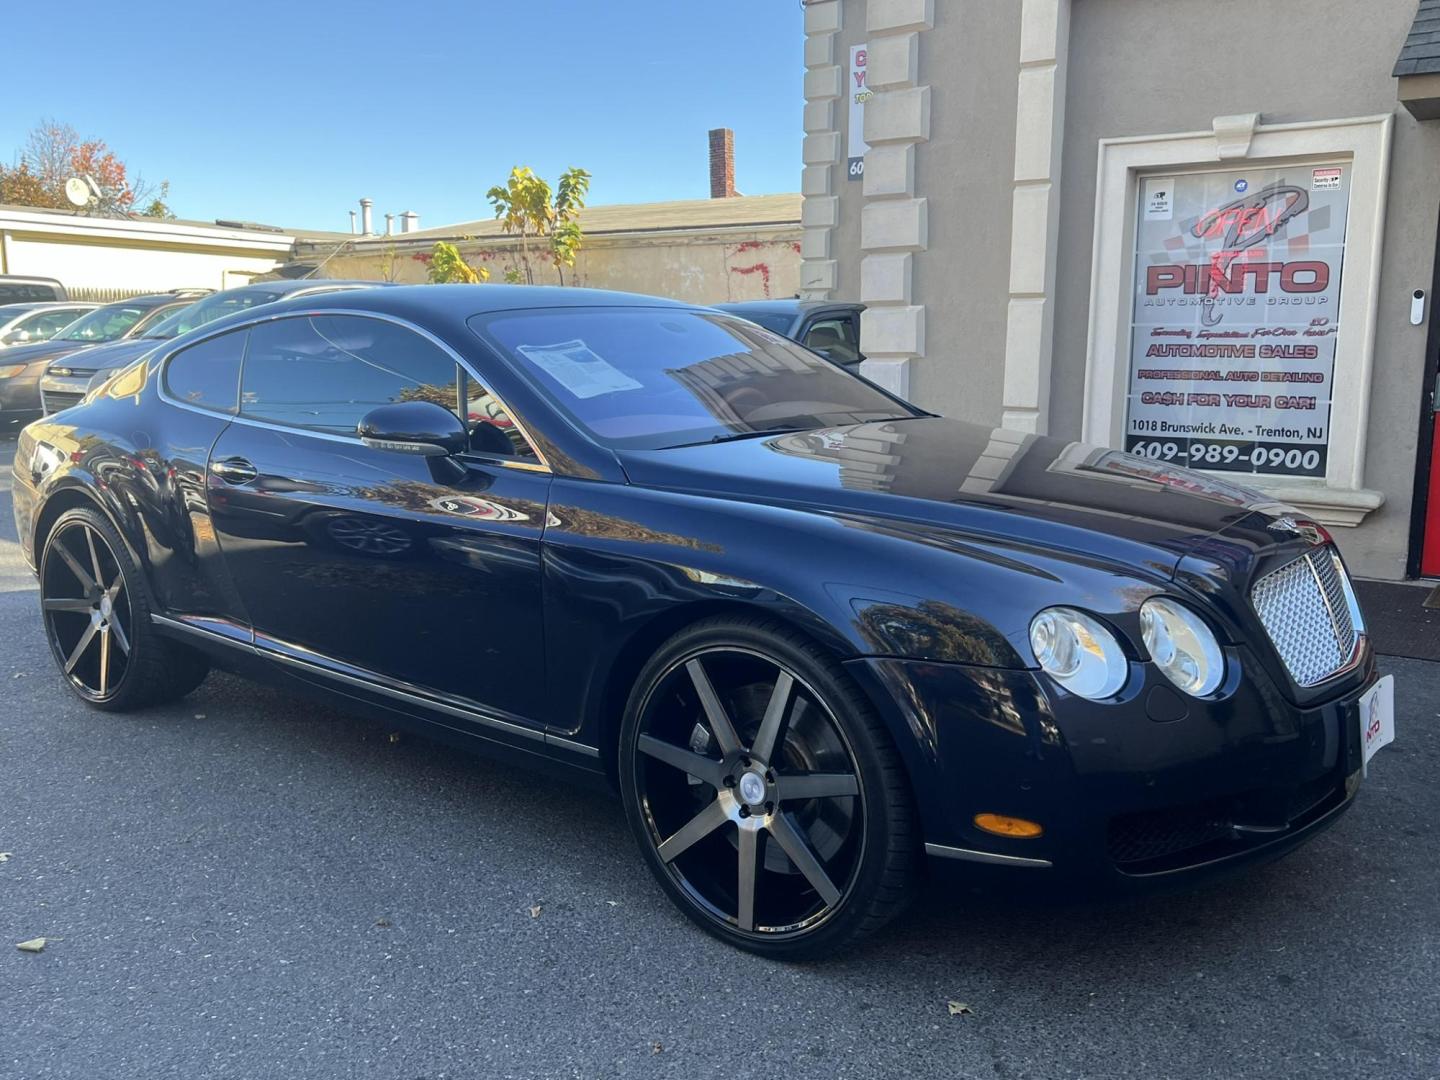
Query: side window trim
point(539, 465)
point(163, 365)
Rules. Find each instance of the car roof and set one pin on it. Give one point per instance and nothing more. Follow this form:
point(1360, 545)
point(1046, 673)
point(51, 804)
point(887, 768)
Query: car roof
point(23, 306)
point(444, 308)
point(150, 300)
point(478, 299)
point(286, 286)
point(788, 306)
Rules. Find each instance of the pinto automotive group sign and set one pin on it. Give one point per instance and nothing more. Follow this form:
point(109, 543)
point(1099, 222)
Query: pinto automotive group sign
point(1236, 314)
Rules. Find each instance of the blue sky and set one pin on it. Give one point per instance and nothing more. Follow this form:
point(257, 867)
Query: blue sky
point(288, 112)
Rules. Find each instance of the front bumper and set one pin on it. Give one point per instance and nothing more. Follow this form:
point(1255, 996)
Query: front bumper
point(1155, 787)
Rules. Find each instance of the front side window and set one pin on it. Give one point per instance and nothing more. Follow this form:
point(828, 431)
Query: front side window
point(207, 375)
point(646, 378)
point(109, 323)
point(44, 325)
point(835, 338)
point(325, 372)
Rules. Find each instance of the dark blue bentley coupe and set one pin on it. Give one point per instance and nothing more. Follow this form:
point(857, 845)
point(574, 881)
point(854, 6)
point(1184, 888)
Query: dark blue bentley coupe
point(820, 641)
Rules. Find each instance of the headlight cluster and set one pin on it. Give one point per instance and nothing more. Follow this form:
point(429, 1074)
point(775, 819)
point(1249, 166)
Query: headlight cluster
point(1082, 655)
point(1182, 646)
point(1078, 653)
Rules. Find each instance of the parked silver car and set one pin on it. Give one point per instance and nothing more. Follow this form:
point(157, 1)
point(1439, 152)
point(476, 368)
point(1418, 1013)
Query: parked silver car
point(21, 324)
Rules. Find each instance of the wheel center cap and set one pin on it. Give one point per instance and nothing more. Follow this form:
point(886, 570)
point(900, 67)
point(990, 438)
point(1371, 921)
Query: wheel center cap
point(105, 607)
point(752, 788)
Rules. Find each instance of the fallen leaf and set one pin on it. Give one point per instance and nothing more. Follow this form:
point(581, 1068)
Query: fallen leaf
point(18, 675)
point(613, 903)
point(33, 945)
point(535, 912)
point(4, 856)
point(959, 1008)
point(383, 922)
point(656, 1048)
point(394, 736)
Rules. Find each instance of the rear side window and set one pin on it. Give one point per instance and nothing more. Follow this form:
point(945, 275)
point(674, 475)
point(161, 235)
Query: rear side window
point(207, 375)
point(325, 372)
point(27, 292)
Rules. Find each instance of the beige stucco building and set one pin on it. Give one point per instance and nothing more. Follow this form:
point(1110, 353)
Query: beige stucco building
point(736, 247)
point(1195, 231)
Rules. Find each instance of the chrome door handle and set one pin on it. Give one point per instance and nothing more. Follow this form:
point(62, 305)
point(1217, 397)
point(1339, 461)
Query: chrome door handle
point(234, 470)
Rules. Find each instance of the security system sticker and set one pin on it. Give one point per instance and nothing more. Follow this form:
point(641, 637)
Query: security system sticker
point(1324, 179)
point(1159, 200)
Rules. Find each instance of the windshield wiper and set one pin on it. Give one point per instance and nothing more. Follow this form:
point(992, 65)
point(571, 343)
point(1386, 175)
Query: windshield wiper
point(736, 436)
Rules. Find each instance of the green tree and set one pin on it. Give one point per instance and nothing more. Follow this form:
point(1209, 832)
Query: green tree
point(448, 266)
point(526, 207)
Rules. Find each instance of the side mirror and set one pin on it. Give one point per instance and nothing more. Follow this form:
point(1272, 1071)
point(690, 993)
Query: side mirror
point(414, 427)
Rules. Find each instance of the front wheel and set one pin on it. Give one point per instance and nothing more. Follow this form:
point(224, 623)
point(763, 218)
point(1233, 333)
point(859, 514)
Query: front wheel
point(765, 794)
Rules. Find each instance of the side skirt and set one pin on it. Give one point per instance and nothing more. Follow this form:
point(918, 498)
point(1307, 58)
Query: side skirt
point(449, 718)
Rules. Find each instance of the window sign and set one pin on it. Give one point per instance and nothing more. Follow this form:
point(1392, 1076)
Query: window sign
point(1236, 314)
point(858, 92)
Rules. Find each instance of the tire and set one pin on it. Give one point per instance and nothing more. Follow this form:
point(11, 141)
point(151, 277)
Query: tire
point(96, 606)
point(722, 765)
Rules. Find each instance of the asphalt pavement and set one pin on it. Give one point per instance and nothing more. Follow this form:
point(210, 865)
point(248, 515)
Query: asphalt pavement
point(243, 885)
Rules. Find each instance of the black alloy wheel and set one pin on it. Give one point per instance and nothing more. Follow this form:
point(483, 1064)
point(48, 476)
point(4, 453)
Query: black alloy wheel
point(97, 619)
point(87, 609)
point(765, 794)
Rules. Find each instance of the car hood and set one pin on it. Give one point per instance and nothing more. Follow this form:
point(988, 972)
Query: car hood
point(92, 358)
point(37, 351)
point(938, 473)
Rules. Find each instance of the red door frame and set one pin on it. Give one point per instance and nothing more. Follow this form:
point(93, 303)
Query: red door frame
point(1424, 557)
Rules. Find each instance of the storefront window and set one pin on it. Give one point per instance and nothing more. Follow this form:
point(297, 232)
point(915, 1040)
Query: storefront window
point(1236, 306)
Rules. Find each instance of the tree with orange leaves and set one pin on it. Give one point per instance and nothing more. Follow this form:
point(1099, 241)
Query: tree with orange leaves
point(54, 152)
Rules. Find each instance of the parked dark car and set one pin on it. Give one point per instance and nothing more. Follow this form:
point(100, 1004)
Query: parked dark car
point(70, 378)
point(18, 289)
point(825, 326)
point(24, 324)
point(22, 365)
point(811, 633)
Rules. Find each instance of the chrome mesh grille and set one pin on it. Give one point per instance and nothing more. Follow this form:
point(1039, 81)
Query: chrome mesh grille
point(1305, 608)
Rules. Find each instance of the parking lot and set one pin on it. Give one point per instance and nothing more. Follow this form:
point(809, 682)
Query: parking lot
point(244, 885)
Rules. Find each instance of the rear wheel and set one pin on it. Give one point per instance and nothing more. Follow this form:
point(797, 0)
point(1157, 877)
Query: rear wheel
point(96, 608)
point(764, 792)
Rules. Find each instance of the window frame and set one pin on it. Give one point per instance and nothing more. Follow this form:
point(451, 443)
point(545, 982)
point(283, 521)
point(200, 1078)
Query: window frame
point(190, 346)
point(162, 363)
point(1363, 145)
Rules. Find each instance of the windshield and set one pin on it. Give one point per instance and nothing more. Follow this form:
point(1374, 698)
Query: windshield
point(208, 310)
point(109, 323)
point(646, 378)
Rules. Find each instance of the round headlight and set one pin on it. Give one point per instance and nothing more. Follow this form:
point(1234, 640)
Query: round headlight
point(1078, 653)
point(1182, 646)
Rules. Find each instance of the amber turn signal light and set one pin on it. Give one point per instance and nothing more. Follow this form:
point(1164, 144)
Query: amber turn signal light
point(1015, 827)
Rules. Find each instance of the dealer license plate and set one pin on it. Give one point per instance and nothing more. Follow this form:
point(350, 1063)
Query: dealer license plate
point(1377, 717)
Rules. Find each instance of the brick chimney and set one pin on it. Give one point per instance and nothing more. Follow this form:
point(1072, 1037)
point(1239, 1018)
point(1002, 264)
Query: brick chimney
point(722, 163)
